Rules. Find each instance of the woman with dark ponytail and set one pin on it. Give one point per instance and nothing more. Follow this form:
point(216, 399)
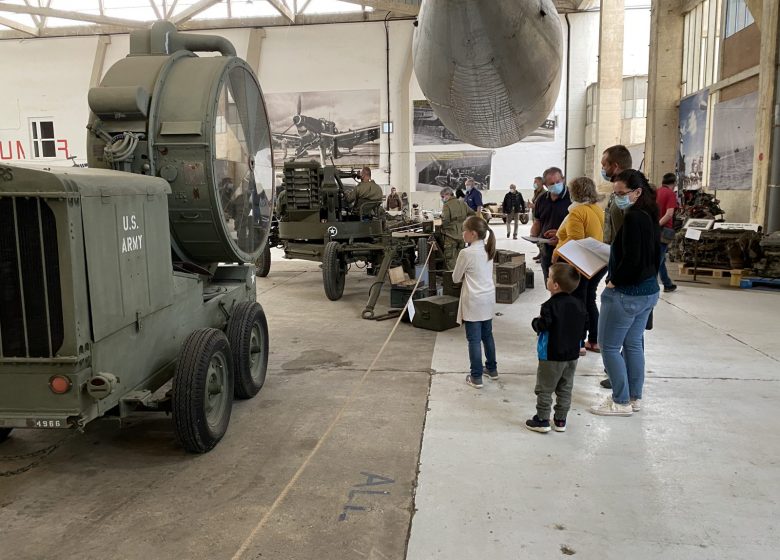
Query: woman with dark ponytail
point(474, 268)
point(631, 293)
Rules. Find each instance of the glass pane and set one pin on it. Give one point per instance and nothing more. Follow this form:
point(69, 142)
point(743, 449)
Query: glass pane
point(47, 129)
point(35, 130)
point(48, 148)
point(36, 150)
point(244, 165)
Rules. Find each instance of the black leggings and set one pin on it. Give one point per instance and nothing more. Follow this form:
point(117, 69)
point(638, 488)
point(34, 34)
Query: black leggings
point(586, 292)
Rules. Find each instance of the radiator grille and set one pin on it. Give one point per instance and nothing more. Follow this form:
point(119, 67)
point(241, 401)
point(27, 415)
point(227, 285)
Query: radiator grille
point(31, 323)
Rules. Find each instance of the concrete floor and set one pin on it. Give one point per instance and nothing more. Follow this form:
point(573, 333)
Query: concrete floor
point(323, 463)
point(132, 493)
point(693, 475)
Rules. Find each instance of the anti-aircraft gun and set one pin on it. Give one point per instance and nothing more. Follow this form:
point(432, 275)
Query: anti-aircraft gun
point(318, 222)
point(110, 276)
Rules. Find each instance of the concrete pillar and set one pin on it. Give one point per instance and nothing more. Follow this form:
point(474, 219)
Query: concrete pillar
point(609, 107)
point(765, 117)
point(253, 49)
point(663, 88)
point(100, 60)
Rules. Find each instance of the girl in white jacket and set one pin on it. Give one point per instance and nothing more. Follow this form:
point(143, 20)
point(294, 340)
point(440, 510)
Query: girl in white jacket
point(474, 268)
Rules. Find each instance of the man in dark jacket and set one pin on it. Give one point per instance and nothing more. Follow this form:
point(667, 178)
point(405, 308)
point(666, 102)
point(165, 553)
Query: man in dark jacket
point(513, 206)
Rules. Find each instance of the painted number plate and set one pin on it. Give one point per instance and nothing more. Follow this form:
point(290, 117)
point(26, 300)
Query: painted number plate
point(46, 423)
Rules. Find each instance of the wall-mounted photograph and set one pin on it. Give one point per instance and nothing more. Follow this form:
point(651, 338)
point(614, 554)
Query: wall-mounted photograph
point(733, 138)
point(436, 170)
point(693, 124)
point(320, 125)
point(430, 131)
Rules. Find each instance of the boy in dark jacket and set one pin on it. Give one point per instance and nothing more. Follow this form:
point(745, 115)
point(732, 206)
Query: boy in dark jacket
point(560, 329)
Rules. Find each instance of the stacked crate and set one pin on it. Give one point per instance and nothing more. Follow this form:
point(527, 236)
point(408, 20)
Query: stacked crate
point(510, 274)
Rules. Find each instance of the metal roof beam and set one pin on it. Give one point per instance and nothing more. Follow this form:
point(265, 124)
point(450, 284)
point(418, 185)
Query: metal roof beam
point(411, 7)
point(194, 10)
point(75, 16)
point(26, 29)
point(283, 9)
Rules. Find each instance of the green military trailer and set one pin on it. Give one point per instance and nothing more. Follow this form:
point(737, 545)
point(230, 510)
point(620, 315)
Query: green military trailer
point(317, 223)
point(118, 278)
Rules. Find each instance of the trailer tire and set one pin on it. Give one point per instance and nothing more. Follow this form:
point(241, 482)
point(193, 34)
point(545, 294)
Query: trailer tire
point(4, 433)
point(263, 262)
point(524, 218)
point(247, 333)
point(202, 390)
point(334, 271)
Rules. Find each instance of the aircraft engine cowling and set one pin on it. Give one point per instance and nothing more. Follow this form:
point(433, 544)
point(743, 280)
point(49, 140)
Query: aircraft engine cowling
point(491, 70)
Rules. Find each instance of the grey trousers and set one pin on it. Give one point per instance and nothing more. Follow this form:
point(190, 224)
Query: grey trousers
point(558, 378)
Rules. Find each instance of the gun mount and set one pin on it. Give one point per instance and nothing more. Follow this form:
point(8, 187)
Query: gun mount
point(110, 282)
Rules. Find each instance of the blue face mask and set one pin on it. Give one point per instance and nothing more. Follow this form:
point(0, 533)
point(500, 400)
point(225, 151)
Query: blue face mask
point(605, 176)
point(556, 189)
point(623, 201)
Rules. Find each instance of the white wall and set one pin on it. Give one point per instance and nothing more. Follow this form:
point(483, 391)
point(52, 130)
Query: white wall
point(308, 58)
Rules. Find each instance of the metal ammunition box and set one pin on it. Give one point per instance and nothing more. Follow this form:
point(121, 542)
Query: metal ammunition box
point(450, 287)
point(399, 295)
point(507, 293)
point(529, 279)
point(437, 313)
point(510, 273)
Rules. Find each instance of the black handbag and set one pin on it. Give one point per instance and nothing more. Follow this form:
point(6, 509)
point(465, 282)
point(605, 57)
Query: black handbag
point(667, 235)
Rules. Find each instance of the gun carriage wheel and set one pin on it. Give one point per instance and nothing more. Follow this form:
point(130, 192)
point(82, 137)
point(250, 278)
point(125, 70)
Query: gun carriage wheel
point(334, 271)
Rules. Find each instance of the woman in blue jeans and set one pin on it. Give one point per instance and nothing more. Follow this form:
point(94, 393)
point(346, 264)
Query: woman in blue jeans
point(474, 268)
point(631, 293)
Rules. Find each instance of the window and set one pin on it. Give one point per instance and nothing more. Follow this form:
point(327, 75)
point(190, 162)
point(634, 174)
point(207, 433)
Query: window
point(591, 99)
point(635, 97)
point(43, 141)
point(738, 16)
point(701, 44)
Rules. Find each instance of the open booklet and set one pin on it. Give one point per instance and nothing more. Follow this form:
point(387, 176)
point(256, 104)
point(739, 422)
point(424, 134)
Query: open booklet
point(539, 240)
point(587, 255)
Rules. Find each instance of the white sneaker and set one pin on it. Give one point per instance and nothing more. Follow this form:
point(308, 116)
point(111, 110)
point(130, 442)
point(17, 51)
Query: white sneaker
point(611, 408)
point(636, 405)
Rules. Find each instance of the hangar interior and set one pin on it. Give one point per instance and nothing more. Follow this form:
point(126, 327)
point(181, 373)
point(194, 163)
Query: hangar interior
point(364, 441)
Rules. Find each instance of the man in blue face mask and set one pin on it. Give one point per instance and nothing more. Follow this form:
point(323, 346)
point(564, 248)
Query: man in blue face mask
point(614, 161)
point(549, 212)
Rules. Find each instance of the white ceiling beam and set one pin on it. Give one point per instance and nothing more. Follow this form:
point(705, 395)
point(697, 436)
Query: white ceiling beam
point(194, 10)
point(303, 7)
point(389, 6)
point(171, 9)
point(19, 26)
point(43, 18)
point(157, 13)
point(74, 16)
point(283, 9)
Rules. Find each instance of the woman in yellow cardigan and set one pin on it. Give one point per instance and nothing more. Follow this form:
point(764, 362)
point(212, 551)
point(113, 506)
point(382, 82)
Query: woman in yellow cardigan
point(585, 219)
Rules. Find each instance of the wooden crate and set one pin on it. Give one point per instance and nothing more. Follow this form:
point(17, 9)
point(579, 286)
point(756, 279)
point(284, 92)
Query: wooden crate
point(688, 271)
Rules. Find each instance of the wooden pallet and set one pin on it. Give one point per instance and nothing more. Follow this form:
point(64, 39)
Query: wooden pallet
point(759, 283)
point(711, 272)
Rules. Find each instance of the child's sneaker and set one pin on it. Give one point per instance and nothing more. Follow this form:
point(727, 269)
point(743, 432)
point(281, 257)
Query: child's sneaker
point(636, 405)
point(559, 425)
point(536, 425)
point(492, 375)
point(475, 382)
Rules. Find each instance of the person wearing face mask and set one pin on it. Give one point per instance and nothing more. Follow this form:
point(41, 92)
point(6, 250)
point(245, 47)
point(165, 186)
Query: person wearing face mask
point(550, 210)
point(631, 294)
point(614, 161)
point(453, 214)
point(473, 196)
point(585, 219)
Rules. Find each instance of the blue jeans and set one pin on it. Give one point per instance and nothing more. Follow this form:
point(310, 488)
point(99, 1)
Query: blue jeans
point(662, 272)
point(480, 333)
point(622, 325)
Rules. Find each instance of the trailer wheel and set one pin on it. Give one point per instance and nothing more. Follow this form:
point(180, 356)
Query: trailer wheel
point(203, 390)
point(4, 433)
point(247, 333)
point(524, 218)
point(334, 271)
point(263, 262)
